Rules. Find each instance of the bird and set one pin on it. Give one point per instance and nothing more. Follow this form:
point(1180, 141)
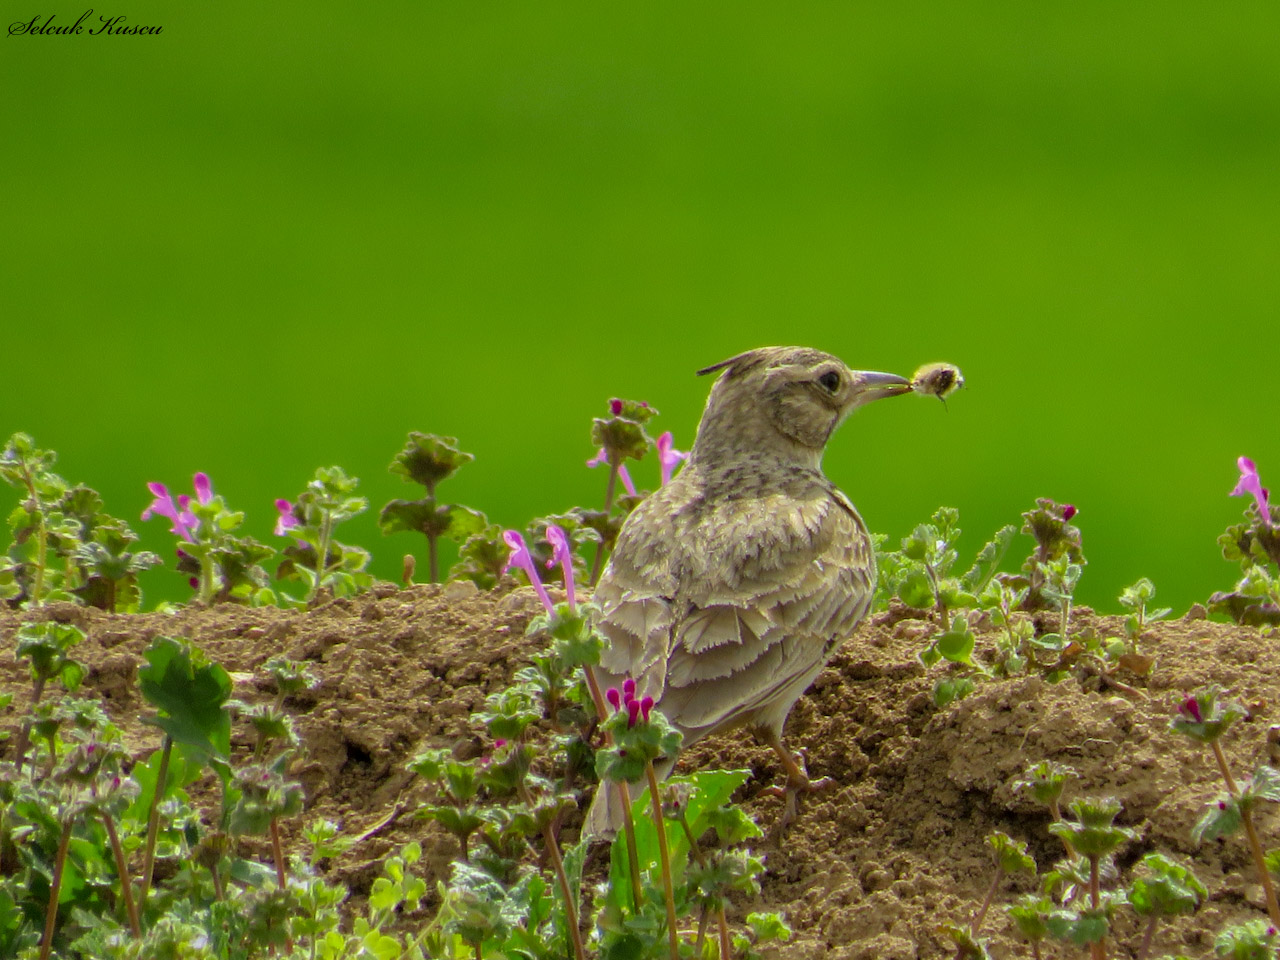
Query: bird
point(731, 586)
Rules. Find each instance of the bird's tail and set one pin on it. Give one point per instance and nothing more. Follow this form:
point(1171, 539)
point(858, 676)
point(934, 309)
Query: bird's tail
point(605, 815)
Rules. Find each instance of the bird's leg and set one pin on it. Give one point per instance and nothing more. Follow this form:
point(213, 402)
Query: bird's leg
point(797, 778)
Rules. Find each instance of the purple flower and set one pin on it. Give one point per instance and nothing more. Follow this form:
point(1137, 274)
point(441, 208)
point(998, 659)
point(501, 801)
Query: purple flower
point(1250, 484)
point(204, 489)
point(1190, 708)
point(601, 459)
point(520, 557)
point(286, 520)
point(1068, 511)
point(646, 707)
point(614, 698)
point(183, 520)
point(633, 712)
point(615, 407)
point(629, 689)
point(668, 456)
point(561, 554)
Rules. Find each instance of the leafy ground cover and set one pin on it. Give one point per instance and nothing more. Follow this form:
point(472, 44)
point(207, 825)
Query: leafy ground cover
point(869, 869)
point(364, 769)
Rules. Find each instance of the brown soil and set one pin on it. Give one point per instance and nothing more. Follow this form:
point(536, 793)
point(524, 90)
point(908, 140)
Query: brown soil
point(871, 865)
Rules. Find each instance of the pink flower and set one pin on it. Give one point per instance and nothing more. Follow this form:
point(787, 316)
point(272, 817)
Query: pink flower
point(601, 459)
point(615, 406)
point(520, 557)
point(561, 554)
point(1250, 484)
point(668, 456)
point(204, 488)
point(286, 520)
point(1190, 708)
point(1068, 511)
point(183, 519)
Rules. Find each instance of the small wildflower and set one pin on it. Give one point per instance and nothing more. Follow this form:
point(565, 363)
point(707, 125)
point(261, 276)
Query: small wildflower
point(1068, 511)
point(629, 689)
point(614, 698)
point(1190, 708)
point(499, 744)
point(561, 554)
point(615, 407)
point(601, 459)
point(646, 707)
point(1249, 483)
point(520, 557)
point(633, 712)
point(286, 520)
point(668, 456)
point(204, 488)
point(163, 506)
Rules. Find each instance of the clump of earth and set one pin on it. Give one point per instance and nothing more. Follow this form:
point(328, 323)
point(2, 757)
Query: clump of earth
point(871, 865)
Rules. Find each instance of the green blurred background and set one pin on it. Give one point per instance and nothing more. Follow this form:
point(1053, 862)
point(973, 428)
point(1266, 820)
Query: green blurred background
point(276, 238)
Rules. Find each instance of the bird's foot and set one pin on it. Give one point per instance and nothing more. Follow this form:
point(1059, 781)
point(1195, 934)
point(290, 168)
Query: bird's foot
point(797, 781)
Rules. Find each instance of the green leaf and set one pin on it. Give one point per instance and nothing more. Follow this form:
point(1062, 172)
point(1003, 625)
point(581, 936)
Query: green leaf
point(1221, 818)
point(916, 590)
point(988, 560)
point(191, 694)
point(956, 644)
point(427, 459)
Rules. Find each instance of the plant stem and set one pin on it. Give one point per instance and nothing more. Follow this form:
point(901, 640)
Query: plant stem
point(941, 607)
point(664, 857)
point(981, 915)
point(598, 564)
point(42, 537)
point(277, 852)
point(726, 945)
point(1097, 951)
point(633, 849)
point(322, 553)
point(206, 577)
point(596, 696)
point(1255, 847)
point(1147, 936)
point(55, 888)
point(153, 820)
point(433, 555)
point(1056, 812)
point(566, 891)
point(24, 734)
point(122, 871)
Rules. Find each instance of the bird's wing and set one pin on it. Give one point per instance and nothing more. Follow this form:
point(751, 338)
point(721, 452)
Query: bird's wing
point(719, 620)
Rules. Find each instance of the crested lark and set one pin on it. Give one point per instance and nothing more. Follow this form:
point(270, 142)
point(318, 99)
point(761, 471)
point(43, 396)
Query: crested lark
point(731, 586)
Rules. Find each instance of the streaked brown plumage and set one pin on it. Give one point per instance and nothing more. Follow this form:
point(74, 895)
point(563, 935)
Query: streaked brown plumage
point(730, 587)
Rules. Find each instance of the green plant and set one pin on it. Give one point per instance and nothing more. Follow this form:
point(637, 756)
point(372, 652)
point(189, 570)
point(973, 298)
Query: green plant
point(222, 567)
point(428, 459)
point(315, 557)
point(1168, 889)
point(619, 437)
point(920, 575)
point(1255, 546)
point(1205, 716)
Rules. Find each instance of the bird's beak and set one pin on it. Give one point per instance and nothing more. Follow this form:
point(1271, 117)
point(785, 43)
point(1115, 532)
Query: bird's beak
point(871, 385)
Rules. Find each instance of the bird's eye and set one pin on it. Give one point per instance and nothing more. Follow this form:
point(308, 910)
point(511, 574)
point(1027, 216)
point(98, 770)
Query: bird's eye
point(830, 381)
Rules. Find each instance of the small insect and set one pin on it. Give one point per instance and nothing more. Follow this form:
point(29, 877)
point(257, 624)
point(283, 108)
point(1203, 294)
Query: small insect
point(937, 379)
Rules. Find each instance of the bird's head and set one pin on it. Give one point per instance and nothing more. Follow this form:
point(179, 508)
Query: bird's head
point(785, 399)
